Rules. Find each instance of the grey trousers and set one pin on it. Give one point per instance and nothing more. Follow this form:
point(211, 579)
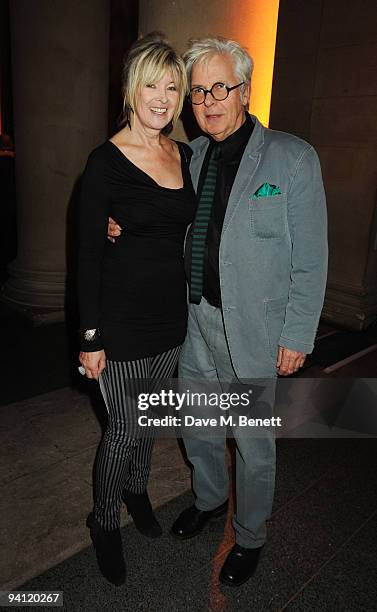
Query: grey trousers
point(205, 357)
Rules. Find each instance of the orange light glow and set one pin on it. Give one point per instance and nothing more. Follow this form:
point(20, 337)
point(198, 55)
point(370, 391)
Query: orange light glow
point(254, 25)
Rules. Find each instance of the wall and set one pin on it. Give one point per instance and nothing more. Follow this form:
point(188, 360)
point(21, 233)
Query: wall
point(325, 90)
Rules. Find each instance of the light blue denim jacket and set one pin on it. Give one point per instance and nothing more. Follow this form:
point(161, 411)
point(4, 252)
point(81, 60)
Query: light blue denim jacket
point(273, 250)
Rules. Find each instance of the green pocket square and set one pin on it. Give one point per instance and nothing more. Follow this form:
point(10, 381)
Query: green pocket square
point(266, 190)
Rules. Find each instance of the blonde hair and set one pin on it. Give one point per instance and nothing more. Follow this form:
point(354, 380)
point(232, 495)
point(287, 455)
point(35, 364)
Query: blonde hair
point(147, 62)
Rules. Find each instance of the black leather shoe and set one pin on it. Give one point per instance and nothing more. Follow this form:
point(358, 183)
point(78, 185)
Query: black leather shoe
point(192, 520)
point(109, 552)
point(140, 508)
point(239, 565)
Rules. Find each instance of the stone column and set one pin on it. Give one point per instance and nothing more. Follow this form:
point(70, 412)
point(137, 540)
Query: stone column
point(325, 90)
point(60, 88)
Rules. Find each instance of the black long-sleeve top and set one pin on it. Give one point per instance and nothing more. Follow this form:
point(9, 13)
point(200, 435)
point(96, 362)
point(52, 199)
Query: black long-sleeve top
point(133, 291)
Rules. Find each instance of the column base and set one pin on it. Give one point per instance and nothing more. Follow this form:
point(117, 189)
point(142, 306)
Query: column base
point(38, 295)
point(352, 308)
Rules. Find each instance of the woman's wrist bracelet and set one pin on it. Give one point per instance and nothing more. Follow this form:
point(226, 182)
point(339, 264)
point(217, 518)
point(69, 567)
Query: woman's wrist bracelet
point(90, 335)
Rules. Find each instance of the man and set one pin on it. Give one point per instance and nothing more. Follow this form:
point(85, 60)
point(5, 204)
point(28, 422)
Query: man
point(262, 282)
point(256, 257)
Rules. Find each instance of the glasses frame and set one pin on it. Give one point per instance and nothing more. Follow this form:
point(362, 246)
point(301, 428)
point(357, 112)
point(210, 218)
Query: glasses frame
point(207, 91)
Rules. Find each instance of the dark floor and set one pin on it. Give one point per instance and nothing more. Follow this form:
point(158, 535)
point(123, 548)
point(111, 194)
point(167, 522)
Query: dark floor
point(322, 546)
point(321, 552)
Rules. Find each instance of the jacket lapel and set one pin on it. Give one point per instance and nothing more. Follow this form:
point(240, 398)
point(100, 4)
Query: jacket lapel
point(247, 168)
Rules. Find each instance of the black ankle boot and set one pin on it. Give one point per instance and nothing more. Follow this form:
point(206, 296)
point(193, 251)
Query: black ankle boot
point(139, 507)
point(108, 547)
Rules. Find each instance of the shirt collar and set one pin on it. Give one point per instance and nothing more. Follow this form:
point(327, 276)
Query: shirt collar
point(235, 144)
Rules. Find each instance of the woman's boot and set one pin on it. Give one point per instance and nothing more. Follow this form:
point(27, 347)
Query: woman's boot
point(109, 552)
point(140, 508)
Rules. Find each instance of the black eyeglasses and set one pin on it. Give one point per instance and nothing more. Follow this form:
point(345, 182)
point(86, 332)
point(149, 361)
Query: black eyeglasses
point(218, 91)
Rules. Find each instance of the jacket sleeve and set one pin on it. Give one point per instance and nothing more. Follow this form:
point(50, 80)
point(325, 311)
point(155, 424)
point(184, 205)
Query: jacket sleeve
point(307, 222)
point(93, 219)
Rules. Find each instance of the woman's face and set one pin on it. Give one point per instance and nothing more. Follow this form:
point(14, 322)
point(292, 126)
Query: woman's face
point(156, 103)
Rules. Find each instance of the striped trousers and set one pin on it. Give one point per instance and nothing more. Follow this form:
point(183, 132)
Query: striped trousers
point(124, 456)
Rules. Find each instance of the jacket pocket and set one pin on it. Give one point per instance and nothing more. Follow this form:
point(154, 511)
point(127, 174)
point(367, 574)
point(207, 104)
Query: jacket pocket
point(267, 217)
point(274, 313)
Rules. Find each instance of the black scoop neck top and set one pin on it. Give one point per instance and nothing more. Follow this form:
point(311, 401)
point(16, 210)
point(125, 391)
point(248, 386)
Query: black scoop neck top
point(134, 291)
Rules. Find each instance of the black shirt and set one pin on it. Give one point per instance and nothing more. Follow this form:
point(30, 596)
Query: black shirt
point(231, 151)
point(134, 291)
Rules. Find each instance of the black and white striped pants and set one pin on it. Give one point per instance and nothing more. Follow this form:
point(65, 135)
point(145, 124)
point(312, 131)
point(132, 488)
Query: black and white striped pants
point(124, 455)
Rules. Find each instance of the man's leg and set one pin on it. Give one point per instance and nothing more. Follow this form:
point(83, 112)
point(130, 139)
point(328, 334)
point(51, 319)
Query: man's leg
point(255, 484)
point(255, 448)
point(255, 467)
point(205, 449)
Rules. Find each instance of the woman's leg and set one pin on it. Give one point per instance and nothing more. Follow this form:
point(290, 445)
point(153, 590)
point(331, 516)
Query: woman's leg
point(120, 440)
point(124, 456)
point(162, 366)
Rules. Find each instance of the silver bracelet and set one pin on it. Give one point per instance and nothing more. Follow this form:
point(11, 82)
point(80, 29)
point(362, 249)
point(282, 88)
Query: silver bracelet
point(90, 335)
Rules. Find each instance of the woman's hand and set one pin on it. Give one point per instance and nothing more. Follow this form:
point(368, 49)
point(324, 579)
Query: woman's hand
point(93, 363)
point(113, 230)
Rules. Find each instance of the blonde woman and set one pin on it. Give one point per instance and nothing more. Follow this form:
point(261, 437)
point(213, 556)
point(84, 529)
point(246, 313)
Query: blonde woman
point(132, 294)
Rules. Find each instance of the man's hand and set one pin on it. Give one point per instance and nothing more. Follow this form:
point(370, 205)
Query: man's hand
point(113, 230)
point(93, 363)
point(289, 361)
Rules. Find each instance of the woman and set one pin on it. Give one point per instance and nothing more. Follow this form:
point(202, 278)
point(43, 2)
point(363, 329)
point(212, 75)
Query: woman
point(132, 294)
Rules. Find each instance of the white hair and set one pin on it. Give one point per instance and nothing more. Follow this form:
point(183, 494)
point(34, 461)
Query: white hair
point(202, 49)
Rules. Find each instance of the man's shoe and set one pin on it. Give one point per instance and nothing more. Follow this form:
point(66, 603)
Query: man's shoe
point(140, 508)
point(239, 565)
point(109, 552)
point(192, 520)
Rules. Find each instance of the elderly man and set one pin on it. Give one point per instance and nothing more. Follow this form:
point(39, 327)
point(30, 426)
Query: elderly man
point(256, 257)
point(257, 281)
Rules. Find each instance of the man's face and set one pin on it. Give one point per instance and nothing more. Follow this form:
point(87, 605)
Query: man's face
point(219, 118)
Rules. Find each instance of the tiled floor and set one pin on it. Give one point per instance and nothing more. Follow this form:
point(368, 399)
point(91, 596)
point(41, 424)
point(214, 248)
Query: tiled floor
point(47, 449)
point(321, 552)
